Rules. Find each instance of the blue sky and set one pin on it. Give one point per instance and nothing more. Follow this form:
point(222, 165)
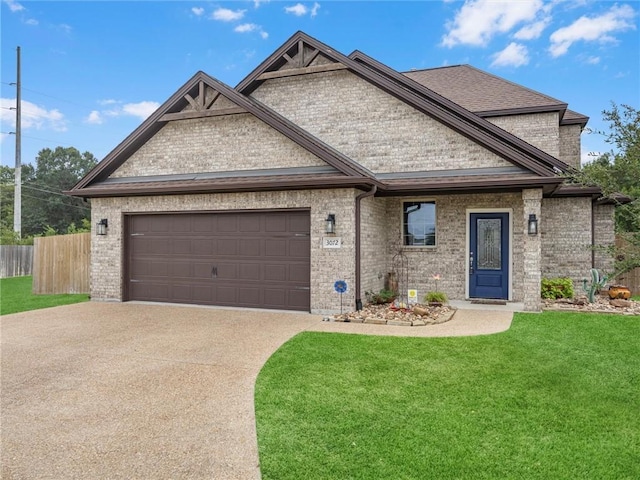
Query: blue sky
point(93, 70)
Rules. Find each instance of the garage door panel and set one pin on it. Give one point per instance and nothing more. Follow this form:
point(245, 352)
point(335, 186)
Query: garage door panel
point(250, 247)
point(238, 259)
point(203, 247)
point(299, 224)
point(275, 248)
point(249, 223)
point(299, 273)
point(250, 271)
point(227, 246)
point(275, 272)
point(275, 223)
point(299, 247)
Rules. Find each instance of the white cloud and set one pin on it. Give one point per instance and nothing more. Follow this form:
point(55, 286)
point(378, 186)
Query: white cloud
point(532, 31)
point(593, 60)
point(65, 28)
point(264, 35)
point(197, 11)
point(515, 55)
point(94, 118)
point(107, 101)
point(32, 21)
point(141, 109)
point(298, 10)
point(257, 3)
point(226, 15)
point(478, 21)
point(14, 6)
point(245, 27)
point(32, 116)
point(592, 29)
point(314, 9)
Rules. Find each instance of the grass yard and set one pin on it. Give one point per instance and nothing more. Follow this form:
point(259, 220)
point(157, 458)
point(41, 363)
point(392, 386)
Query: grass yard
point(16, 296)
point(555, 397)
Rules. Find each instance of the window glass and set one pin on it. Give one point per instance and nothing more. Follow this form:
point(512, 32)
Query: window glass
point(419, 223)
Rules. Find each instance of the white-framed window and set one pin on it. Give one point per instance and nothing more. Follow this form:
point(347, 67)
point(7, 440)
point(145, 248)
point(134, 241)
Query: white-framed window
point(419, 223)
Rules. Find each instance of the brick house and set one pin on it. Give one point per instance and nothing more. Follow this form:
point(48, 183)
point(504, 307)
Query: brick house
point(320, 166)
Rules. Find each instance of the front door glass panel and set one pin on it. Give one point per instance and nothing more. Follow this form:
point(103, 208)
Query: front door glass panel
point(489, 244)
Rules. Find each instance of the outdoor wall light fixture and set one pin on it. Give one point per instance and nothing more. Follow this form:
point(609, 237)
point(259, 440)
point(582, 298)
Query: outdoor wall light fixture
point(533, 224)
point(330, 224)
point(101, 227)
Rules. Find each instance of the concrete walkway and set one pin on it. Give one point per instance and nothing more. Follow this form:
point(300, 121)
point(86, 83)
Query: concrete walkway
point(97, 390)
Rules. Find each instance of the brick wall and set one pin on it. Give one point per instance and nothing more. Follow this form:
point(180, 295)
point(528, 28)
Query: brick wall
point(539, 129)
point(449, 256)
point(232, 142)
point(570, 144)
point(565, 224)
point(370, 126)
point(603, 236)
point(532, 249)
point(327, 265)
point(375, 262)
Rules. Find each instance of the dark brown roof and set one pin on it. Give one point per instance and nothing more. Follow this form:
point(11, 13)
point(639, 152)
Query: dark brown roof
point(488, 95)
point(482, 92)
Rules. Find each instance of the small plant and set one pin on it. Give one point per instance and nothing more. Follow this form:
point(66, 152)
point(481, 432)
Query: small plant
point(435, 297)
point(554, 288)
point(383, 296)
point(597, 282)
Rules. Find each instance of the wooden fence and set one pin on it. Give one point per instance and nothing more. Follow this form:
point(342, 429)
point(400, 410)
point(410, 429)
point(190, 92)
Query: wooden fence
point(16, 260)
point(61, 263)
point(631, 279)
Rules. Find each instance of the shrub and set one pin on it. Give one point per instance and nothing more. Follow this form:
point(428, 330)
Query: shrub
point(383, 296)
point(553, 288)
point(439, 297)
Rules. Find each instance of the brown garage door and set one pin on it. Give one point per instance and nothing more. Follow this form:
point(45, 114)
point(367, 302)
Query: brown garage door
point(257, 259)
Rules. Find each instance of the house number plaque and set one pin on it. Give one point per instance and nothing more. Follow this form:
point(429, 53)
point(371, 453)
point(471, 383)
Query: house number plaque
point(331, 242)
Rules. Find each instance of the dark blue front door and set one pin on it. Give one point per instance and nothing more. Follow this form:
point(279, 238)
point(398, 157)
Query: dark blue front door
point(489, 255)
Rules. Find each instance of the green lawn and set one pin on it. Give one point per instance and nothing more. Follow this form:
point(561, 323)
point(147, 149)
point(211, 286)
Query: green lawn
point(16, 296)
point(555, 397)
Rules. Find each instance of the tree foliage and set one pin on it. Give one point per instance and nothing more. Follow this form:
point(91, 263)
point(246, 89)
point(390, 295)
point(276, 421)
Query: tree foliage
point(618, 171)
point(44, 206)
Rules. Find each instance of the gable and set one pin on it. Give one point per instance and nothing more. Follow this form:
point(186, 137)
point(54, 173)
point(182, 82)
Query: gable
point(223, 143)
point(371, 126)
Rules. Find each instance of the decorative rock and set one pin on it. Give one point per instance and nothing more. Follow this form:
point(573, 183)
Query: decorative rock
point(420, 310)
point(619, 303)
point(375, 321)
point(418, 323)
point(399, 323)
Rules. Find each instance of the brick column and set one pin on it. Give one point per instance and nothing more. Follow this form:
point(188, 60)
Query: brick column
point(532, 251)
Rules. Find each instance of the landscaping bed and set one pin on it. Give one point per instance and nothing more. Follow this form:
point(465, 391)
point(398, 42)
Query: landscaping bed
point(387, 314)
point(602, 304)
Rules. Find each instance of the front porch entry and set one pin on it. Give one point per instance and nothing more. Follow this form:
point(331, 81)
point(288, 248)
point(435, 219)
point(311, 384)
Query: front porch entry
point(489, 254)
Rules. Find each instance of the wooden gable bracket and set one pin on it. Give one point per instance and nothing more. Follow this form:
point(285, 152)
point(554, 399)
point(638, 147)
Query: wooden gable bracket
point(201, 107)
point(300, 64)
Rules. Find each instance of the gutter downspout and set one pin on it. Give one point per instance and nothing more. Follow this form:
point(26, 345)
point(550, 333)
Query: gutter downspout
point(358, 230)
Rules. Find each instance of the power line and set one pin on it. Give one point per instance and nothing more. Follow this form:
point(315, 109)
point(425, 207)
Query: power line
point(49, 201)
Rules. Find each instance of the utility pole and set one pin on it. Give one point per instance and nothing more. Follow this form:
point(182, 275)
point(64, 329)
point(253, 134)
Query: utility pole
point(17, 202)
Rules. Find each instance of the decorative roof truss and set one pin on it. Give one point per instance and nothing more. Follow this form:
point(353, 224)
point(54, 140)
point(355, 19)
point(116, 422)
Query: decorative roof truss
point(203, 105)
point(297, 61)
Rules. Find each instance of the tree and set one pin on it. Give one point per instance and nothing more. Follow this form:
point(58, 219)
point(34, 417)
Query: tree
point(618, 171)
point(44, 206)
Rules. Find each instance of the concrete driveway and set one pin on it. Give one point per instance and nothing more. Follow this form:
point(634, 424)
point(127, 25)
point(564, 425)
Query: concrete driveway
point(110, 391)
point(113, 391)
